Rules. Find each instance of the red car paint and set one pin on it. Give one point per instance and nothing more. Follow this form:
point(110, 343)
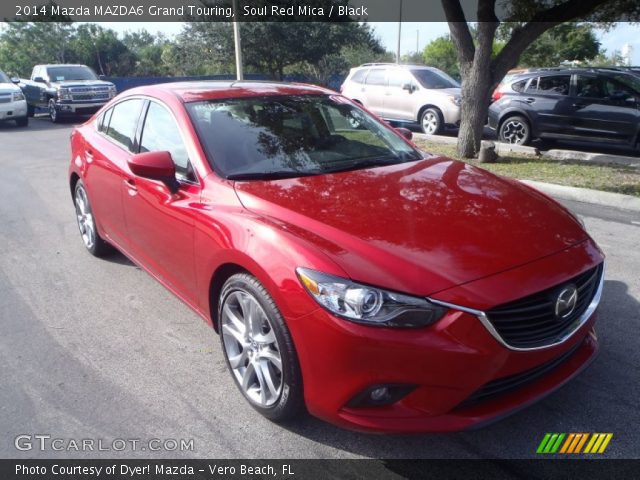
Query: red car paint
point(434, 227)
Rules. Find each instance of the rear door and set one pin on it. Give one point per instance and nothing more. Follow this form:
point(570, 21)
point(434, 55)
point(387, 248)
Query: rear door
point(159, 225)
point(375, 89)
point(399, 104)
point(604, 109)
point(546, 99)
point(107, 150)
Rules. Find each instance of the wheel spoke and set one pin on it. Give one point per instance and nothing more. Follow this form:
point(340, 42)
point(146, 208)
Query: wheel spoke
point(257, 368)
point(268, 379)
point(238, 323)
point(272, 357)
point(239, 360)
point(247, 377)
point(268, 338)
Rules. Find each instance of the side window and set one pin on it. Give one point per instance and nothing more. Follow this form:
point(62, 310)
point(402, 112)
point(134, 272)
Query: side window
point(161, 133)
point(358, 77)
point(399, 78)
point(377, 76)
point(591, 87)
point(553, 85)
point(519, 86)
point(105, 118)
point(124, 121)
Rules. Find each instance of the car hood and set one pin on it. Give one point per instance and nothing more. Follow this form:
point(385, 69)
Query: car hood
point(82, 83)
point(418, 227)
point(8, 88)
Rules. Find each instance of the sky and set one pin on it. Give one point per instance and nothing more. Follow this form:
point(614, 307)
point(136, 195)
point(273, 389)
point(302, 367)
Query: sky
point(419, 34)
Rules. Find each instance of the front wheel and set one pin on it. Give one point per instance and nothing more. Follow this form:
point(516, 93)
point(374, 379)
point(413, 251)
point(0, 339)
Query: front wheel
point(515, 130)
point(258, 349)
point(431, 121)
point(54, 115)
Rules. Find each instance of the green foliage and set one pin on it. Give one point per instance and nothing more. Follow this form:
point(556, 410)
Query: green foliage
point(441, 53)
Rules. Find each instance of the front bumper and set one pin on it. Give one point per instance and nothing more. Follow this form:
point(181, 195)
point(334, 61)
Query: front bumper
point(13, 110)
point(67, 108)
point(447, 363)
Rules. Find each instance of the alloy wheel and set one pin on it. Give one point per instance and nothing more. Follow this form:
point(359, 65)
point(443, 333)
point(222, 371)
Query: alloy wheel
point(85, 218)
point(430, 122)
point(252, 348)
point(515, 132)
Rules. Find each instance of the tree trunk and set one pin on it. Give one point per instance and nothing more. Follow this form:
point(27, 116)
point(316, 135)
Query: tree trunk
point(476, 85)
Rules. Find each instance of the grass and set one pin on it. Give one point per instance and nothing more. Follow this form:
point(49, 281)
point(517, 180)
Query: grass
point(618, 179)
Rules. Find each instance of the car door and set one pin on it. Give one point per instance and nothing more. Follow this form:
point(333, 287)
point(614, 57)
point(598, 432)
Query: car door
point(604, 109)
point(107, 150)
point(159, 225)
point(375, 88)
point(546, 100)
point(400, 103)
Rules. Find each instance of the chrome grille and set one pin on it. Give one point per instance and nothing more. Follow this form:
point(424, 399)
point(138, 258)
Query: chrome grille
point(531, 322)
point(5, 99)
point(89, 94)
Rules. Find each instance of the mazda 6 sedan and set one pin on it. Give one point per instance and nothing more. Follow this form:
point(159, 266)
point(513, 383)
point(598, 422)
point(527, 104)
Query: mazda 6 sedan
point(346, 272)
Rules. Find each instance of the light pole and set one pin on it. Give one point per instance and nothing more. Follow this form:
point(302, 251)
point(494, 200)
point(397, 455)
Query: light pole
point(237, 41)
point(399, 34)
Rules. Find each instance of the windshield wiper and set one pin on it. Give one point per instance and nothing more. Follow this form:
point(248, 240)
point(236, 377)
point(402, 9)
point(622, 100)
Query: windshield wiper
point(277, 175)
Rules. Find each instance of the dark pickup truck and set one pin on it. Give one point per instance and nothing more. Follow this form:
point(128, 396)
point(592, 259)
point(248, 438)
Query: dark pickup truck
point(66, 90)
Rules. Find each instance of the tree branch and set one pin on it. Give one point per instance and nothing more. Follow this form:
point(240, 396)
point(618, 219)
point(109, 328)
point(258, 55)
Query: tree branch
point(459, 29)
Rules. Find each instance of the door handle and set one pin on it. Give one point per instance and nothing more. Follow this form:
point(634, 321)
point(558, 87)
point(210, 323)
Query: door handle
point(529, 100)
point(130, 183)
point(89, 155)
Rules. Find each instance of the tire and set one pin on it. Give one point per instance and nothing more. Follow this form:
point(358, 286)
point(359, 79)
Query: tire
point(259, 354)
point(22, 122)
point(515, 130)
point(92, 240)
point(431, 121)
point(31, 111)
point(54, 115)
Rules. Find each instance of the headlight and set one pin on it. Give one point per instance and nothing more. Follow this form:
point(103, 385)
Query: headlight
point(368, 305)
point(455, 100)
point(112, 91)
point(17, 96)
point(64, 94)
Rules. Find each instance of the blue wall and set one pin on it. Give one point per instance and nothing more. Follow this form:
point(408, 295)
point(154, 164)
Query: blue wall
point(125, 83)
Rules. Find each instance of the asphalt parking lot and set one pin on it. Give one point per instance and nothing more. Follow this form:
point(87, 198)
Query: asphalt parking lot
point(97, 349)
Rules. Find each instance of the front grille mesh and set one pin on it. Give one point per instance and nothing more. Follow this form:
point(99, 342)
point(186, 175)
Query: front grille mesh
point(531, 321)
point(5, 99)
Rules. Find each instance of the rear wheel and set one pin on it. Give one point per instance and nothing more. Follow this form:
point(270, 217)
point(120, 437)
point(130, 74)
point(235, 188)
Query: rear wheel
point(258, 348)
point(515, 130)
point(431, 121)
point(87, 223)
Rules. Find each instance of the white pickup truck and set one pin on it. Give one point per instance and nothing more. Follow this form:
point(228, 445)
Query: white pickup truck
point(12, 103)
point(66, 90)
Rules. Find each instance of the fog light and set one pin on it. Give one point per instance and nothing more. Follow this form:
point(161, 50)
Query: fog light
point(380, 395)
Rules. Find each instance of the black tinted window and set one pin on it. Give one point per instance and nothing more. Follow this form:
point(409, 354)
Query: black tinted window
point(105, 118)
point(358, 77)
point(377, 76)
point(550, 85)
point(124, 120)
point(58, 74)
point(160, 134)
point(434, 79)
point(519, 86)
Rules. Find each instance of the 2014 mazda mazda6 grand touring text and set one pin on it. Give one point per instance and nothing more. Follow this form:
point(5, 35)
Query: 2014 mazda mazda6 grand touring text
point(346, 271)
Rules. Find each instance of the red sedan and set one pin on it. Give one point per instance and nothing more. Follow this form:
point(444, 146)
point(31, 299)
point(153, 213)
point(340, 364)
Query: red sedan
point(383, 288)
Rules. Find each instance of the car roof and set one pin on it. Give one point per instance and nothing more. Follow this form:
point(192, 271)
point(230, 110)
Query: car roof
point(397, 65)
point(190, 91)
point(517, 76)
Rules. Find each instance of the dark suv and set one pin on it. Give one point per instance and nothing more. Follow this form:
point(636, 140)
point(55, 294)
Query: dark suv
point(600, 105)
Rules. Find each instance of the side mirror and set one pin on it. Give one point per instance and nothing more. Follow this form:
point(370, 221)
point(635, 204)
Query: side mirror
point(39, 80)
point(405, 132)
point(408, 87)
point(155, 166)
point(15, 80)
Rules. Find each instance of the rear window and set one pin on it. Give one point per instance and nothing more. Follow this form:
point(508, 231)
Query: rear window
point(519, 86)
point(550, 85)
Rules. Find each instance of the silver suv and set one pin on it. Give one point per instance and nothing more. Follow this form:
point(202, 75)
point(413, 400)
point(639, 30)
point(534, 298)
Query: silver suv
point(406, 93)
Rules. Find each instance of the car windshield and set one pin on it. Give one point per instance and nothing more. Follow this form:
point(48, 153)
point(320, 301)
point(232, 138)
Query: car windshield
point(434, 79)
point(60, 74)
point(292, 136)
point(4, 78)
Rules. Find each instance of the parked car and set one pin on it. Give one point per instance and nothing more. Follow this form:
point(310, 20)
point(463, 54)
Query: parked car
point(598, 105)
point(384, 288)
point(66, 90)
point(12, 103)
point(406, 94)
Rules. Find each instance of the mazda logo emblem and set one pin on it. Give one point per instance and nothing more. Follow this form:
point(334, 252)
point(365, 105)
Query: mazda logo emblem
point(566, 302)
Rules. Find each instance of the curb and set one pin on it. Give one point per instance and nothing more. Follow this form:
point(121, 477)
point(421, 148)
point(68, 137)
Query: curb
point(587, 195)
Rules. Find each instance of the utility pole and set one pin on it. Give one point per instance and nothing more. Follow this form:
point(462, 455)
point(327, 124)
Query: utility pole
point(237, 41)
point(399, 34)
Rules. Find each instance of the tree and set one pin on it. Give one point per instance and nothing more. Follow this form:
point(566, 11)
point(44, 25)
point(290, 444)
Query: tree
point(441, 53)
point(101, 49)
point(481, 73)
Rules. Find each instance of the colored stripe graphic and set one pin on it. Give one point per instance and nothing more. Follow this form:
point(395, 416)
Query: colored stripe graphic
point(573, 443)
